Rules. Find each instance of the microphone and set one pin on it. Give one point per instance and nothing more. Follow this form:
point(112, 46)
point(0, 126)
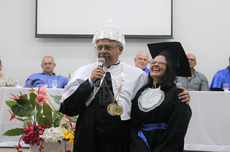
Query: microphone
point(101, 62)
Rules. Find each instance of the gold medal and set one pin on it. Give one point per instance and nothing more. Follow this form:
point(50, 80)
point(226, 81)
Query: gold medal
point(113, 108)
point(118, 110)
point(110, 109)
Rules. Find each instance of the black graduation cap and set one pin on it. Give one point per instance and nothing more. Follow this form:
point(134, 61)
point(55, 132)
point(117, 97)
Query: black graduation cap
point(175, 53)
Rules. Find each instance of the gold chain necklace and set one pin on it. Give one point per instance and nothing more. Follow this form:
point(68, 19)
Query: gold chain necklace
point(113, 108)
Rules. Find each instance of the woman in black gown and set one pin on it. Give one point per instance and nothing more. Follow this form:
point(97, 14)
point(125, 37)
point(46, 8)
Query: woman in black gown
point(159, 120)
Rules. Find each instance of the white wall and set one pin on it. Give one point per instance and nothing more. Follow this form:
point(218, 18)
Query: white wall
point(202, 26)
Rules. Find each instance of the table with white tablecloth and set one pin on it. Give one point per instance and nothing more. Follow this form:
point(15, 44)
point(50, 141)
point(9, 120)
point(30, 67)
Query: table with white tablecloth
point(209, 128)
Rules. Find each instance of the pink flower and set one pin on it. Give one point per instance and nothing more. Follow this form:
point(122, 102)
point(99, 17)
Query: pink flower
point(15, 97)
point(40, 127)
point(73, 127)
point(41, 98)
point(70, 119)
point(42, 90)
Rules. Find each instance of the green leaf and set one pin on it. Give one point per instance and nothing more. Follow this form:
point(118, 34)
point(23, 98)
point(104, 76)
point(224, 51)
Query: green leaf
point(32, 99)
point(56, 120)
point(38, 107)
point(22, 108)
point(14, 132)
point(39, 117)
point(69, 76)
point(10, 103)
point(44, 115)
point(47, 112)
point(26, 124)
point(57, 98)
point(74, 119)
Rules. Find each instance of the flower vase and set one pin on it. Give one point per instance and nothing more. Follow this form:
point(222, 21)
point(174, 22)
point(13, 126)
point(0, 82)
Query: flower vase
point(52, 147)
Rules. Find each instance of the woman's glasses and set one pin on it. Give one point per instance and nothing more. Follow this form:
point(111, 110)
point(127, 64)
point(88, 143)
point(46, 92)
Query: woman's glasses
point(153, 61)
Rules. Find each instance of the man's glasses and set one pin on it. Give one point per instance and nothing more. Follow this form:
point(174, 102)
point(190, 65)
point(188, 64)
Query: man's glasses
point(106, 47)
point(191, 59)
point(49, 63)
point(153, 61)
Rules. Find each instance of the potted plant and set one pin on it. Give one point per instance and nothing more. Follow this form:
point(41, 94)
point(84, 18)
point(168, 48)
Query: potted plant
point(42, 123)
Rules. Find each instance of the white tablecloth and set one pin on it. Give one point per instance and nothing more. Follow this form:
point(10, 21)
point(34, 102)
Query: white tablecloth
point(209, 128)
point(6, 124)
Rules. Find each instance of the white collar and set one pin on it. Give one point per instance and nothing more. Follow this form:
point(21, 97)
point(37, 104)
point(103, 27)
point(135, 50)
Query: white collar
point(117, 75)
point(150, 99)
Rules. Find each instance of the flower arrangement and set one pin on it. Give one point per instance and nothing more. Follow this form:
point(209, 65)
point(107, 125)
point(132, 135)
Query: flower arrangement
point(41, 121)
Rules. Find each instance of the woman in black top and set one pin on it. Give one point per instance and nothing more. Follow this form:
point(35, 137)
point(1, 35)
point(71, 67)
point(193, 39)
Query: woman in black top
point(159, 120)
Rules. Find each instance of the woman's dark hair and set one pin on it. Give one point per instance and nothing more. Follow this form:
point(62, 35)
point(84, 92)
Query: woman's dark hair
point(167, 79)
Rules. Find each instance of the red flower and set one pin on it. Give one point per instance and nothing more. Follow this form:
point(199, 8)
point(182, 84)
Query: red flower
point(32, 133)
point(12, 116)
point(40, 132)
point(31, 90)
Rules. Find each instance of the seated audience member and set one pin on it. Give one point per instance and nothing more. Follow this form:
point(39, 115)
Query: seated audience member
point(5, 80)
point(141, 61)
point(221, 77)
point(47, 75)
point(197, 82)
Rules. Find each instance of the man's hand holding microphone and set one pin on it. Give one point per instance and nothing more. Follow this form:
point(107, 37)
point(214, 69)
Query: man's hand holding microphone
point(98, 73)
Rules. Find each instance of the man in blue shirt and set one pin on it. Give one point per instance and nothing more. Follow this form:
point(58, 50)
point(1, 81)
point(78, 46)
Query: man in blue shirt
point(46, 76)
point(141, 61)
point(221, 77)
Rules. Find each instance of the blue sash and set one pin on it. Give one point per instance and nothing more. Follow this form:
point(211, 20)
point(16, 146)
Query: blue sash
point(149, 127)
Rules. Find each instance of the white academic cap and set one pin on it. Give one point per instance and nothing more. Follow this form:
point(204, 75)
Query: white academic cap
point(109, 32)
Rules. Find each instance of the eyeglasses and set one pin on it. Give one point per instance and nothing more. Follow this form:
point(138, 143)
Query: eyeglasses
point(106, 47)
point(49, 63)
point(192, 60)
point(153, 61)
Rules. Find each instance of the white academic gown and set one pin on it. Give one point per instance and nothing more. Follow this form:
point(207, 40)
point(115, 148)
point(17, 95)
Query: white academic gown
point(131, 78)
